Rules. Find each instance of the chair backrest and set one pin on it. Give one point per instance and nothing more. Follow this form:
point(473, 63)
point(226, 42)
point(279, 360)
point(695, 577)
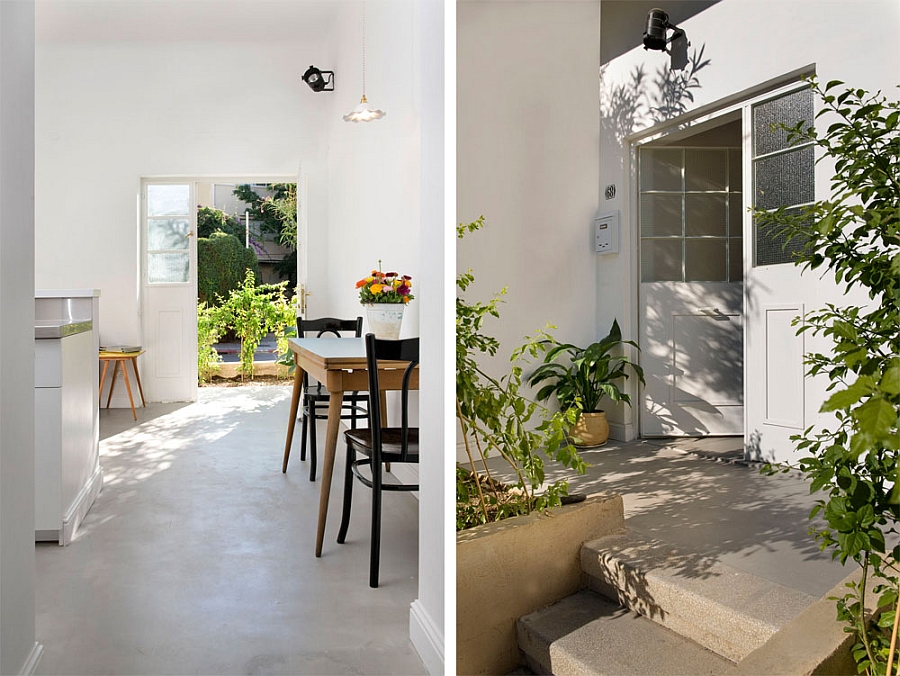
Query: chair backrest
point(406, 350)
point(320, 327)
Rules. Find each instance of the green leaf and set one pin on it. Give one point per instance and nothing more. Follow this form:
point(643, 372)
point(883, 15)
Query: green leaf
point(890, 382)
point(876, 416)
point(843, 399)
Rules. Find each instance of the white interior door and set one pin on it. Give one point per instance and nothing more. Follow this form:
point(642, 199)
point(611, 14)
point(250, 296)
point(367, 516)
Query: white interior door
point(169, 279)
point(691, 251)
point(777, 174)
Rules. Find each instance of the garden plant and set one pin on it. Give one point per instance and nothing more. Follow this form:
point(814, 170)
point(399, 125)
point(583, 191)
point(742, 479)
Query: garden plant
point(496, 416)
point(851, 459)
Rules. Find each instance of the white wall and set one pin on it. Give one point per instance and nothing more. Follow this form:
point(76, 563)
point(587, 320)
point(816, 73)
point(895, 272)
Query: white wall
point(109, 113)
point(18, 650)
point(527, 144)
point(372, 169)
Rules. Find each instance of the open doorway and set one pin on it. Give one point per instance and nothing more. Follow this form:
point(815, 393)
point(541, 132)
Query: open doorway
point(169, 276)
point(690, 222)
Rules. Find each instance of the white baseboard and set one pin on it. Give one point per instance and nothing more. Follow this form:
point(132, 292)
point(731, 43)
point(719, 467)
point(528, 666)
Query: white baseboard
point(81, 506)
point(34, 658)
point(426, 638)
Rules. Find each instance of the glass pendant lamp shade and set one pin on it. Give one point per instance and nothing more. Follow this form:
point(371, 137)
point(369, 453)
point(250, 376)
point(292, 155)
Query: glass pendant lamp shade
point(362, 112)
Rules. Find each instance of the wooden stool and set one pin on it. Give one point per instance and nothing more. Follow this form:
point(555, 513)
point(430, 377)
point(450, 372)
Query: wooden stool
point(121, 358)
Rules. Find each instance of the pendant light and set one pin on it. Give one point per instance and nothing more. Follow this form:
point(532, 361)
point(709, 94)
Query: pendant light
point(362, 112)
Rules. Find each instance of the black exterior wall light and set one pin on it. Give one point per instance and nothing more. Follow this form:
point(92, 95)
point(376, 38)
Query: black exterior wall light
point(319, 80)
point(657, 25)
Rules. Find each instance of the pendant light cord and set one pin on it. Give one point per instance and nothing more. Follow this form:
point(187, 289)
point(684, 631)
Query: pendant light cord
point(364, 49)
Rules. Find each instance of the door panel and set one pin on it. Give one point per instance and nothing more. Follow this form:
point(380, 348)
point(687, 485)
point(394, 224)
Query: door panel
point(691, 335)
point(777, 174)
point(692, 352)
point(169, 370)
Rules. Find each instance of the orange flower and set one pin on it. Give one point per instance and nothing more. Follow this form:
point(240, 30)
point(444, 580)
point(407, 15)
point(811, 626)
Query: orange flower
point(360, 283)
point(405, 299)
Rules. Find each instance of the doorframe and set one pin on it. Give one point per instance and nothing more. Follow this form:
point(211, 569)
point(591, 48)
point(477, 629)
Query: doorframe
point(704, 117)
point(193, 180)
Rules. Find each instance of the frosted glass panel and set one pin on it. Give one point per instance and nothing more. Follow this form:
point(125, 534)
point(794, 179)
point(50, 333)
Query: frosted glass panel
point(661, 169)
point(785, 180)
point(772, 247)
point(168, 200)
point(661, 260)
point(660, 215)
point(705, 215)
point(168, 268)
point(789, 109)
point(705, 169)
point(168, 233)
point(735, 259)
point(704, 260)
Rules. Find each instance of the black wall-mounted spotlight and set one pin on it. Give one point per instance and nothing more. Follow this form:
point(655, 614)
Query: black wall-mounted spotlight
point(657, 25)
point(319, 80)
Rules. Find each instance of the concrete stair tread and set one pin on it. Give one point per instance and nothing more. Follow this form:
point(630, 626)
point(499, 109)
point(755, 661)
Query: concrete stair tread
point(586, 634)
point(725, 609)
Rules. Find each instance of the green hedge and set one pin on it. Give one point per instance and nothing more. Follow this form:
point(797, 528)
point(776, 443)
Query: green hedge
point(222, 263)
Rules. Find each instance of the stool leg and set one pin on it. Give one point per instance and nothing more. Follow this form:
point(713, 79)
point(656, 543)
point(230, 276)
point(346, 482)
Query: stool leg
point(103, 376)
point(112, 383)
point(137, 377)
point(128, 387)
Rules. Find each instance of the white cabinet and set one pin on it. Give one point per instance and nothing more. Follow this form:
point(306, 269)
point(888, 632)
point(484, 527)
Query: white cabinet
point(67, 464)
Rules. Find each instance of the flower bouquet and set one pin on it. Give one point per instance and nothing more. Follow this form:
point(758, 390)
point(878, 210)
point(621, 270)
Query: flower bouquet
point(385, 296)
point(385, 287)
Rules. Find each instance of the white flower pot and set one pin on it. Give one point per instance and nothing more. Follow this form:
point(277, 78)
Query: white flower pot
point(385, 319)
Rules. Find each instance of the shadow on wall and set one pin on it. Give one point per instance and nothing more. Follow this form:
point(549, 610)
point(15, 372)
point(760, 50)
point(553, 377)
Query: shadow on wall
point(643, 101)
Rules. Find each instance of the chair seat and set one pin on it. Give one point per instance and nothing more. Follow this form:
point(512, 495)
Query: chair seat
point(390, 443)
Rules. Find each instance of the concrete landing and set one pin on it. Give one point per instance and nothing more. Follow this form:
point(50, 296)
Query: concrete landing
point(729, 611)
point(585, 634)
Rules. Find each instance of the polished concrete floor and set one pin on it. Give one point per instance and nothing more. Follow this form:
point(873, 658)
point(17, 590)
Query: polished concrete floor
point(198, 556)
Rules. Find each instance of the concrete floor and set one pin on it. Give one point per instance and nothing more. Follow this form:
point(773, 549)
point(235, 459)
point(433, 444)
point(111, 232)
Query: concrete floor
point(198, 555)
point(711, 511)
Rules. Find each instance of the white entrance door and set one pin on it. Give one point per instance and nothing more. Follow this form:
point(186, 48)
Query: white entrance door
point(169, 280)
point(302, 240)
point(691, 334)
point(777, 174)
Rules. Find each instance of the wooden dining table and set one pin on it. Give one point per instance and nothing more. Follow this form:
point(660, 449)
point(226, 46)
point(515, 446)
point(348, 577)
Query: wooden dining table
point(340, 365)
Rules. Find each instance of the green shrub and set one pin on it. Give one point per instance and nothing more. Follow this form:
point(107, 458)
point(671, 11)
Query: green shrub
point(222, 264)
point(210, 220)
point(209, 329)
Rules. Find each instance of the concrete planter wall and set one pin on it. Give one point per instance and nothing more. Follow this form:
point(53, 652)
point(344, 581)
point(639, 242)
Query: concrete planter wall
point(513, 567)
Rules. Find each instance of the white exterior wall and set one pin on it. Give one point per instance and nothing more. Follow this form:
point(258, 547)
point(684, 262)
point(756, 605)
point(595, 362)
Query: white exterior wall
point(527, 144)
point(748, 42)
point(18, 650)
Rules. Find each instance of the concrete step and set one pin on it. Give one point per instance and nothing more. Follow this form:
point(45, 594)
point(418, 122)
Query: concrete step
point(728, 611)
point(585, 634)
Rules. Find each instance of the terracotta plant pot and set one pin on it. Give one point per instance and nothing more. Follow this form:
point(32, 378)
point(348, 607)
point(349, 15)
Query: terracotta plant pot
point(591, 430)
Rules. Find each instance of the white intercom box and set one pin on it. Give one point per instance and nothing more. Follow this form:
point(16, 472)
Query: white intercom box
point(606, 233)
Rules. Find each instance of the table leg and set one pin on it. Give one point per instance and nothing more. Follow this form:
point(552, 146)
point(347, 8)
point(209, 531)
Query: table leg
point(334, 422)
point(103, 375)
point(295, 404)
point(137, 377)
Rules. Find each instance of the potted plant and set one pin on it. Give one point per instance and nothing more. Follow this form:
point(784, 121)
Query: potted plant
point(590, 374)
point(385, 296)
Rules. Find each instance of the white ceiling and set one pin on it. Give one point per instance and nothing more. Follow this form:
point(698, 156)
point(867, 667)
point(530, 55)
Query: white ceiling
point(183, 20)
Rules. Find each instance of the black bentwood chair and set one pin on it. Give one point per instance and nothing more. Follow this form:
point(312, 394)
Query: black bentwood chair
point(354, 405)
point(381, 445)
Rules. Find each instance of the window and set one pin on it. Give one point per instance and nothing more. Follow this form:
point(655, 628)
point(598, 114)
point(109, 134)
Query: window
point(783, 173)
point(690, 214)
point(168, 233)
